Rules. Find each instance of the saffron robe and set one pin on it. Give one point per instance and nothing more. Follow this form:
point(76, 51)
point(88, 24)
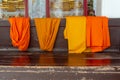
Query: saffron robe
point(75, 33)
point(97, 33)
point(47, 29)
point(20, 32)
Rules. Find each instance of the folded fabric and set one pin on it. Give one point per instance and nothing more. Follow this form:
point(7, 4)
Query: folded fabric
point(75, 32)
point(20, 32)
point(97, 33)
point(47, 29)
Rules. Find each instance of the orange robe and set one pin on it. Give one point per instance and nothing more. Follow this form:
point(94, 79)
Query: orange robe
point(75, 32)
point(97, 32)
point(47, 29)
point(20, 32)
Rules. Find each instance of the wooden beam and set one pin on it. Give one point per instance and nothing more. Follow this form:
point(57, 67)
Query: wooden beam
point(26, 8)
point(85, 7)
point(47, 8)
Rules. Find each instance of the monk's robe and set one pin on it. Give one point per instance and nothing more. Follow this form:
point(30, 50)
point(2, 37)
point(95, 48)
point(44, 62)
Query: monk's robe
point(106, 34)
point(97, 33)
point(47, 29)
point(75, 32)
point(20, 32)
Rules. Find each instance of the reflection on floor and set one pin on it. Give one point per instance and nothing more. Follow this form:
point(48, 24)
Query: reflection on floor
point(59, 66)
point(58, 59)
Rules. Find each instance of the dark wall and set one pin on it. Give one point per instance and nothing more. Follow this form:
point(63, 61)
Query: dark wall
point(61, 43)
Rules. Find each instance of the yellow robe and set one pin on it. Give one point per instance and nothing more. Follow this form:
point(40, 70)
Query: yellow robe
point(47, 29)
point(75, 32)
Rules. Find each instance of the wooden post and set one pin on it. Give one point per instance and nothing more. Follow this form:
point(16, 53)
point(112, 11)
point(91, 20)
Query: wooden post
point(47, 8)
point(85, 7)
point(26, 8)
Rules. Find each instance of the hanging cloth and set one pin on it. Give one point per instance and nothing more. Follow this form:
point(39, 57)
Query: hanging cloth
point(20, 32)
point(97, 33)
point(75, 32)
point(47, 29)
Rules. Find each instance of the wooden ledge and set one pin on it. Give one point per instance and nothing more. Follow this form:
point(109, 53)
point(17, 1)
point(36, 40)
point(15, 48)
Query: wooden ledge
point(112, 22)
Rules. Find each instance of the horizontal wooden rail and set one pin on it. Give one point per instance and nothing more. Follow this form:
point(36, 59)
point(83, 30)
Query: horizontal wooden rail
point(112, 22)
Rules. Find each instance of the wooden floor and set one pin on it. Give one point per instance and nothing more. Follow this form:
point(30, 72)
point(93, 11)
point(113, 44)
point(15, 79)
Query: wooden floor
point(58, 59)
point(59, 66)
